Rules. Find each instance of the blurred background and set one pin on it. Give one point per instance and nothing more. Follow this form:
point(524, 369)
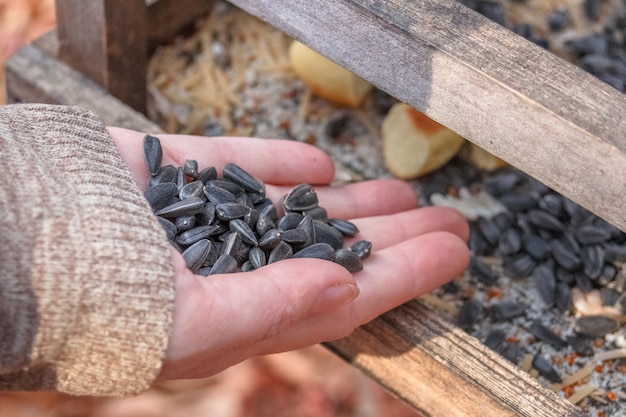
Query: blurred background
point(310, 382)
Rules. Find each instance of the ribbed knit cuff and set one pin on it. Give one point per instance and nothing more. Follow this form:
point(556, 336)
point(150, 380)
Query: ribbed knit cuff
point(88, 248)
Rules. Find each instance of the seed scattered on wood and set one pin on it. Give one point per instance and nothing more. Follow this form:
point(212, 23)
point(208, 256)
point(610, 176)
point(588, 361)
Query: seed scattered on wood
point(469, 313)
point(547, 335)
point(507, 310)
point(545, 369)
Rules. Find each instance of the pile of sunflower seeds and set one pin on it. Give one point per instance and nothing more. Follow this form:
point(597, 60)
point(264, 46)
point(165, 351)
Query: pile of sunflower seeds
point(225, 225)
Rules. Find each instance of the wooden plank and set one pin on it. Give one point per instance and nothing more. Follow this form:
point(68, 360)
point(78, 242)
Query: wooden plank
point(516, 100)
point(441, 371)
point(37, 77)
point(106, 40)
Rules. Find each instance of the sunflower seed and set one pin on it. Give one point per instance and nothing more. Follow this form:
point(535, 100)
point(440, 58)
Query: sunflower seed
point(501, 183)
point(615, 252)
point(592, 259)
point(207, 215)
point(327, 234)
point(181, 179)
point(552, 203)
point(166, 174)
point(593, 326)
point(544, 220)
point(481, 270)
point(562, 297)
point(318, 213)
point(346, 227)
point(280, 252)
point(583, 281)
point(263, 224)
point(257, 257)
point(609, 271)
point(191, 189)
point(546, 335)
point(152, 153)
point(231, 211)
point(247, 267)
point(306, 225)
point(545, 281)
point(270, 239)
point(299, 198)
point(581, 345)
point(189, 207)
point(184, 223)
point(190, 167)
point(207, 174)
point(489, 231)
point(517, 202)
point(168, 226)
point(225, 264)
point(511, 352)
point(316, 250)
point(241, 227)
point(191, 236)
point(232, 244)
point(507, 310)
point(589, 234)
point(536, 247)
point(519, 266)
point(362, 248)
point(545, 369)
point(196, 254)
point(229, 186)
point(348, 259)
point(218, 195)
point(469, 313)
point(239, 176)
point(509, 242)
point(494, 339)
point(160, 195)
point(290, 221)
point(563, 256)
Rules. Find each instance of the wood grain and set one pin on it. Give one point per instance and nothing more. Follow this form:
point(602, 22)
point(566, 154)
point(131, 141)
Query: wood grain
point(443, 372)
point(507, 95)
point(36, 76)
point(107, 41)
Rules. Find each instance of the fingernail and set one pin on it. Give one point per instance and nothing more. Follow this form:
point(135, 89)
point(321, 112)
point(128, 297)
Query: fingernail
point(336, 296)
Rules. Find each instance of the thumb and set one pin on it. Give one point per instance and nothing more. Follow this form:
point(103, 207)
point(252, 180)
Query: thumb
point(221, 320)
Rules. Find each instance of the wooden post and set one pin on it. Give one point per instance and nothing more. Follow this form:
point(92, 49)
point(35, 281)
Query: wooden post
point(107, 41)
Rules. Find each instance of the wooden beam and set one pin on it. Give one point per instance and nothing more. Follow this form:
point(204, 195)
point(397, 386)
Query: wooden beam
point(167, 18)
point(441, 371)
point(106, 40)
point(507, 95)
point(36, 76)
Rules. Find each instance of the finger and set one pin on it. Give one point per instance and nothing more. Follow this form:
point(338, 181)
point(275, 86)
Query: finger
point(226, 316)
point(385, 231)
point(390, 278)
point(270, 160)
point(362, 199)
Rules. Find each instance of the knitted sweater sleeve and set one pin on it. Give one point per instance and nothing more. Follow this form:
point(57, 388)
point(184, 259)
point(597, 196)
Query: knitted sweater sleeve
point(86, 280)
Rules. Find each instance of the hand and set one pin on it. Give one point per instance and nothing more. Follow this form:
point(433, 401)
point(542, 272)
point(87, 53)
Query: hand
point(224, 319)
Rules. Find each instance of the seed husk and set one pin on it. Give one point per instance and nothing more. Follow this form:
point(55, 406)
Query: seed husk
point(544, 220)
point(564, 256)
point(507, 310)
point(190, 167)
point(299, 198)
point(469, 313)
point(160, 195)
point(168, 226)
point(191, 189)
point(545, 281)
point(207, 174)
point(362, 248)
point(218, 195)
point(280, 252)
point(241, 227)
point(317, 251)
point(257, 257)
point(562, 297)
point(545, 369)
point(231, 211)
point(596, 325)
point(191, 236)
point(270, 239)
point(590, 234)
point(290, 221)
point(225, 264)
point(509, 242)
point(327, 234)
point(348, 259)
point(494, 339)
point(242, 178)
point(184, 223)
point(232, 244)
point(189, 207)
point(196, 254)
point(484, 272)
point(347, 228)
point(152, 153)
point(546, 335)
point(166, 174)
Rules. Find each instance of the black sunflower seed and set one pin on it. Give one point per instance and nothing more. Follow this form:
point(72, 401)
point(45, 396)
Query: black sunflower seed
point(225, 264)
point(189, 207)
point(507, 310)
point(190, 167)
point(239, 176)
point(346, 227)
point(348, 259)
point(301, 197)
point(280, 252)
point(469, 313)
point(152, 153)
point(362, 248)
point(161, 195)
point(545, 282)
point(593, 326)
point(545, 369)
point(316, 250)
point(257, 257)
point(547, 335)
point(196, 254)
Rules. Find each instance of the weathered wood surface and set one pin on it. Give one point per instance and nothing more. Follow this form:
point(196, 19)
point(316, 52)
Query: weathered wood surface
point(441, 371)
point(107, 41)
point(514, 99)
point(36, 76)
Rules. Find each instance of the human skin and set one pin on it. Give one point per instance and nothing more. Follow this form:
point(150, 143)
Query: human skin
point(225, 319)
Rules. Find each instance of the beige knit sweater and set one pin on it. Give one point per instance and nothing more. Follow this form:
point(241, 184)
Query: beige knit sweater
point(86, 280)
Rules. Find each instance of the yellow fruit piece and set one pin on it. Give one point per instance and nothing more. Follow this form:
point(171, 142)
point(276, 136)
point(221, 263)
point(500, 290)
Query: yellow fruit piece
point(326, 78)
point(414, 144)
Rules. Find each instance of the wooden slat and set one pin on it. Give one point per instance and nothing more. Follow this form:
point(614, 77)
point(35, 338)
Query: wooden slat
point(441, 371)
point(106, 40)
point(516, 100)
point(35, 76)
